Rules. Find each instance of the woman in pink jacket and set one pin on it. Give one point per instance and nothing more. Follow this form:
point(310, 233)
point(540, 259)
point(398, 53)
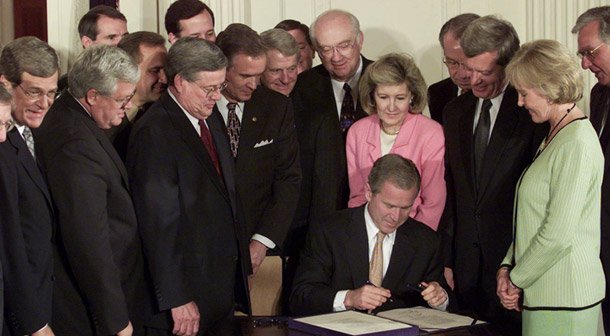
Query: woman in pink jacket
point(394, 93)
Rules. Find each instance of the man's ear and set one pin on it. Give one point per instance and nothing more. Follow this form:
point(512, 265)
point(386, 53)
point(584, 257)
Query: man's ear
point(172, 38)
point(5, 82)
point(368, 193)
point(86, 41)
point(92, 97)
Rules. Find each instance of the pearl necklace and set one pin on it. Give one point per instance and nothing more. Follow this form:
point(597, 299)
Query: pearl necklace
point(387, 132)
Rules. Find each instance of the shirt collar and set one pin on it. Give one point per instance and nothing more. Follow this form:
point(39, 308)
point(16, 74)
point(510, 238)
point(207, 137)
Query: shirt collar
point(372, 229)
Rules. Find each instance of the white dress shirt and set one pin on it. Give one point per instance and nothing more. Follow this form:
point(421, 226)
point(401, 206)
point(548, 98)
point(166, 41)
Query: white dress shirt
point(340, 93)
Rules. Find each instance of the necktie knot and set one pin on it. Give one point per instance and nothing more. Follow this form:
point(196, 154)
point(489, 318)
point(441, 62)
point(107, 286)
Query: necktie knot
point(347, 88)
point(231, 106)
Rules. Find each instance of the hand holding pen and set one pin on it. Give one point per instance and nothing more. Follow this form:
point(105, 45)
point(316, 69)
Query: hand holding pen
point(367, 297)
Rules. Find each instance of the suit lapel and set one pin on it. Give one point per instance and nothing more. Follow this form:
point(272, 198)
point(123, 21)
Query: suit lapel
point(252, 125)
point(27, 161)
point(400, 260)
point(72, 104)
point(227, 162)
point(373, 141)
point(504, 127)
point(189, 135)
point(356, 248)
point(465, 128)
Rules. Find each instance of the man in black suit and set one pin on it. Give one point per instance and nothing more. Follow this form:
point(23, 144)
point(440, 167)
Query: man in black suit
point(189, 18)
point(148, 50)
point(488, 142)
point(260, 124)
point(29, 70)
point(100, 25)
point(367, 258)
point(324, 110)
point(593, 29)
point(440, 93)
point(99, 284)
point(183, 180)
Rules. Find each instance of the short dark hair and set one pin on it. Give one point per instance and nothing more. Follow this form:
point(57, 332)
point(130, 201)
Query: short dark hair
point(191, 55)
point(132, 42)
point(183, 10)
point(489, 33)
point(28, 54)
point(87, 26)
point(238, 38)
point(294, 24)
point(456, 25)
point(395, 169)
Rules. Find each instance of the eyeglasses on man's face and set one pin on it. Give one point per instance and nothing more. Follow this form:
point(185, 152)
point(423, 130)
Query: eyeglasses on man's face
point(7, 125)
point(36, 94)
point(590, 54)
point(453, 64)
point(342, 48)
point(209, 90)
point(123, 102)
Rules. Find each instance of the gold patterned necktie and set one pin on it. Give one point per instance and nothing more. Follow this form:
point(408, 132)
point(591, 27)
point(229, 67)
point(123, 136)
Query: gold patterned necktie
point(376, 265)
point(233, 128)
point(29, 141)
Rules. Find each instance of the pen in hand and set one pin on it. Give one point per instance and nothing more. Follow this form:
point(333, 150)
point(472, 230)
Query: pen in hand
point(372, 284)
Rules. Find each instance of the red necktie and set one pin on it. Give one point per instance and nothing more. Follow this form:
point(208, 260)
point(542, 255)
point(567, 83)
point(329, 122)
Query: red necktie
point(206, 137)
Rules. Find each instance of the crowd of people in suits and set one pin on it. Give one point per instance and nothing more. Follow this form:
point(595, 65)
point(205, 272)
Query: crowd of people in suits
point(142, 191)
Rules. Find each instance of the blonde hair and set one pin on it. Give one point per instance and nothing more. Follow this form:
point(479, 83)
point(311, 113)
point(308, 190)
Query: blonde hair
point(548, 67)
point(393, 69)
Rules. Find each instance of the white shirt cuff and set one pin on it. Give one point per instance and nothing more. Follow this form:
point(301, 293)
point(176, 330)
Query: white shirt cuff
point(263, 240)
point(338, 304)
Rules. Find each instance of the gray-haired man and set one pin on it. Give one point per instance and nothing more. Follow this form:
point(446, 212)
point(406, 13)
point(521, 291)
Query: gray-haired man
point(182, 178)
point(29, 71)
point(99, 272)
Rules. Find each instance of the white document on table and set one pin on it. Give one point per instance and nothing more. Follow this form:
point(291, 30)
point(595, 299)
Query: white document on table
point(429, 319)
point(353, 323)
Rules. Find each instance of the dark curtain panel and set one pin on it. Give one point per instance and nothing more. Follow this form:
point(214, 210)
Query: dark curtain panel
point(110, 3)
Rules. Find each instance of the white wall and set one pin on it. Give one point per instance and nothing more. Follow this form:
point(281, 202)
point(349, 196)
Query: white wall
point(389, 25)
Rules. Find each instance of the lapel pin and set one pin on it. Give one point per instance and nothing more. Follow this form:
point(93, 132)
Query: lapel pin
point(254, 119)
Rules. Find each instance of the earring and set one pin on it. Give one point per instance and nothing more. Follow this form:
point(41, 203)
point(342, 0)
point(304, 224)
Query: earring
point(411, 101)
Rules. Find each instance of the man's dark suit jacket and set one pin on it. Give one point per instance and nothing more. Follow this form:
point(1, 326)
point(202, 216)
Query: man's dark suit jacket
point(268, 176)
point(119, 135)
point(478, 225)
point(26, 226)
point(99, 269)
point(336, 258)
point(190, 218)
point(439, 94)
point(600, 106)
point(325, 186)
